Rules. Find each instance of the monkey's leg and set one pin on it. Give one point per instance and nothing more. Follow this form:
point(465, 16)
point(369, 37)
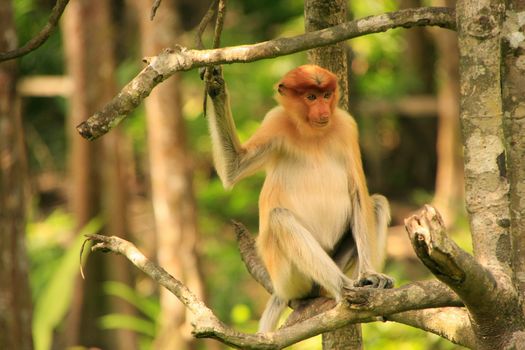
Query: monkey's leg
point(299, 246)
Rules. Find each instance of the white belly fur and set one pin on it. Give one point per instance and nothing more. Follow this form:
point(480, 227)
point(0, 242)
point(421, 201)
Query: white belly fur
point(315, 190)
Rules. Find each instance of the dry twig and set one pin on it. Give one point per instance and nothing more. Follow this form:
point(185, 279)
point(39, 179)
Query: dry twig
point(41, 37)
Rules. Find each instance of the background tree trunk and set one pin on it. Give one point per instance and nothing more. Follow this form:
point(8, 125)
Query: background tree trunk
point(320, 14)
point(15, 294)
point(171, 179)
point(449, 173)
point(91, 65)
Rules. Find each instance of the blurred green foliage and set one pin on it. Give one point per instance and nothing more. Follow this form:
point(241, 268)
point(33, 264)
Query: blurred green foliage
point(379, 70)
point(53, 276)
point(145, 324)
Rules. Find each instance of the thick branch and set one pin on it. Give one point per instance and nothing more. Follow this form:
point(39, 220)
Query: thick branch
point(449, 263)
point(41, 37)
point(250, 257)
point(167, 63)
point(365, 305)
point(451, 323)
point(485, 292)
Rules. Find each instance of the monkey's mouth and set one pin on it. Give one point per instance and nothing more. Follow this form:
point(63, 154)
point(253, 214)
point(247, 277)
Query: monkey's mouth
point(320, 123)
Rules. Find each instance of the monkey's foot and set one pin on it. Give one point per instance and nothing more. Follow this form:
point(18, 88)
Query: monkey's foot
point(374, 280)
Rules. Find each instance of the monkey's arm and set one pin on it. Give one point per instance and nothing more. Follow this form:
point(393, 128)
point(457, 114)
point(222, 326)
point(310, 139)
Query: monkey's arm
point(233, 161)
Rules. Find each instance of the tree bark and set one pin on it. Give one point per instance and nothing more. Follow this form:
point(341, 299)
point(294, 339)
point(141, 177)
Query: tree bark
point(171, 180)
point(90, 63)
point(15, 293)
point(513, 81)
point(117, 155)
point(318, 15)
point(321, 14)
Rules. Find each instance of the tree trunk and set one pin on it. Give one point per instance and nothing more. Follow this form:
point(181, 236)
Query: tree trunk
point(496, 317)
point(171, 179)
point(419, 52)
point(449, 187)
point(15, 293)
point(116, 195)
point(319, 14)
point(513, 83)
point(90, 62)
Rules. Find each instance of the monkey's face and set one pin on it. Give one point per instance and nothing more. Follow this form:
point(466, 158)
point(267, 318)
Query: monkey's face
point(319, 107)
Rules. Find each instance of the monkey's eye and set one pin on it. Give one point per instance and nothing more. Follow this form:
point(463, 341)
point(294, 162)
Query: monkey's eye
point(311, 97)
point(327, 95)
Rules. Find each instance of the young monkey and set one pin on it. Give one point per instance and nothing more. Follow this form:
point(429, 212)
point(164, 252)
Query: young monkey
point(317, 221)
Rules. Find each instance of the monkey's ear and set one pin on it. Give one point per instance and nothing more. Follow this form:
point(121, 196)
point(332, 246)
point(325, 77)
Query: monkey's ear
point(280, 89)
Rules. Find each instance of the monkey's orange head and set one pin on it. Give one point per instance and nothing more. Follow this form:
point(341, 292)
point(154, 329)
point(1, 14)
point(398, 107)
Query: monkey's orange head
point(309, 93)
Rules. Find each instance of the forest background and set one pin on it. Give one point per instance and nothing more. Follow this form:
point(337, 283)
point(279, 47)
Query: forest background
point(152, 181)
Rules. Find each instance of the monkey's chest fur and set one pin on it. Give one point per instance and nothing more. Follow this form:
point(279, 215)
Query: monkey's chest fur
point(315, 189)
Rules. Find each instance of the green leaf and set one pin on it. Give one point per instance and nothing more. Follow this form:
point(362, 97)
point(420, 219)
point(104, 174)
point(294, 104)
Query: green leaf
point(149, 307)
point(129, 322)
point(55, 299)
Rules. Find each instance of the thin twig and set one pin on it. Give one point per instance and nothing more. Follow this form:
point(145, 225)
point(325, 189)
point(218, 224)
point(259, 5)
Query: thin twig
point(219, 24)
point(204, 23)
point(80, 262)
point(154, 9)
point(41, 37)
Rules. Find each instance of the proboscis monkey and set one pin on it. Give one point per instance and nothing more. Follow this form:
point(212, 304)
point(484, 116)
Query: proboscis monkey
point(317, 222)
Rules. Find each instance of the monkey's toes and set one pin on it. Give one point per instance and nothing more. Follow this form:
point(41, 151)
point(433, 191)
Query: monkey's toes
point(375, 280)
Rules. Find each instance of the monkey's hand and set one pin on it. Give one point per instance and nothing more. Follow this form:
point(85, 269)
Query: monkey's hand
point(214, 80)
point(372, 279)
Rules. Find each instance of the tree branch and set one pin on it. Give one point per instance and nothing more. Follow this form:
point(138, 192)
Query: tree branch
point(179, 59)
point(451, 323)
point(251, 259)
point(203, 24)
point(154, 8)
point(486, 291)
point(41, 37)
point(449, 263)
point(364, 305)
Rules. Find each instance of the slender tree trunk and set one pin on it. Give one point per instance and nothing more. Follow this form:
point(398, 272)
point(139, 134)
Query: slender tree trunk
point(419, 53)
point(116, 197)
point(319, 14)
point(171, 179)
point(15, 293)
point(90, 62)
point(449, 187)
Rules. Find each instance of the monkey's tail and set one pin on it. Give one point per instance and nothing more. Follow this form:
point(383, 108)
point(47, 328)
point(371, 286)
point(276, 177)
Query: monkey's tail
point(382, 216)
point(272, 313)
